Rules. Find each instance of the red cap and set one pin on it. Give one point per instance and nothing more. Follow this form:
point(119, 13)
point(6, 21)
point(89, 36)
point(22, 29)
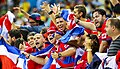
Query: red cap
point(51, 30)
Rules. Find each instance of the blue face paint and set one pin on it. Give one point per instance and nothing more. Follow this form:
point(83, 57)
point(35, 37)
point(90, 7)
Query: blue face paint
point(53, 35)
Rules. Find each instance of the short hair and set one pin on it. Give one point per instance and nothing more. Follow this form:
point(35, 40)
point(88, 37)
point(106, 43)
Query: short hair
point(100, 11)
point(24, 33)
point(81, 8)
point(18, 42)
point(15, 33)
point(31, 34)
point(115, 22)
point(58, 16)
point(44, 30)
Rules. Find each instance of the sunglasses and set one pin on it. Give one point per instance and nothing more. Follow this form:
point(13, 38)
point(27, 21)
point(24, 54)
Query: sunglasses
point(32, 22)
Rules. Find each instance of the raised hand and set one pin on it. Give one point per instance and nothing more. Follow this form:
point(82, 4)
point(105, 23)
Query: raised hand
point(88, 43)
point(16, 8)
point(46, 7)
point(54, 55)
point(55, 8)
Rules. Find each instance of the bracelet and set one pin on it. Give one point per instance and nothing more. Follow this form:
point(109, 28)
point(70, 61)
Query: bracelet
point(50, 12)
point(89, 50)
point(59, 55)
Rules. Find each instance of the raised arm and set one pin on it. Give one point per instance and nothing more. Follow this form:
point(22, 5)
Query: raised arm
point(22, 11)
point(114, 2)
point(69, 52)
point(88, 25)
point(46, 8)
point(36, 59)
point(89, 51)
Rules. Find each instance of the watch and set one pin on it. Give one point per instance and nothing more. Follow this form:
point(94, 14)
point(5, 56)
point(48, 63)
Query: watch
point(76, 21)
point(59, 55)
point(50, 12)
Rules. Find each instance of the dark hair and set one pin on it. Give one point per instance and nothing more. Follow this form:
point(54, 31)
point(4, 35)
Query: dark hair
point(44, 30)
point(31, 34)
point(57, 16)
point(24, 33)
point(115, 22)
point(116, 9)
point(82, 9)
point(18, 42)
point(95, 44)
point(15, 33)
point(100, 11)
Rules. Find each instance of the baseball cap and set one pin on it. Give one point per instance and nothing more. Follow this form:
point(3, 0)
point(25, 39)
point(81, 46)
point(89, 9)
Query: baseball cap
point(36, 17)
point(51, 30)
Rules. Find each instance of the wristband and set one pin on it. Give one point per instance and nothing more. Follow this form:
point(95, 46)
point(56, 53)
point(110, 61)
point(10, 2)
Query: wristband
point(50, 12)
point(89, 50)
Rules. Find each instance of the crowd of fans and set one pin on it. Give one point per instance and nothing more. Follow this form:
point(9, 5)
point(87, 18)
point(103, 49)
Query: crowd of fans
point(42, 23)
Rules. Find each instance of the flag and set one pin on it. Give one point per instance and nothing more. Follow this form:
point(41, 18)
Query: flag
point(8, 55)
point(6, 23)
point(69, 17)
point(71, 34)
point(44, 51)
point(78, 55)
point(103, 62)
point(51, 64)
point(23, 61)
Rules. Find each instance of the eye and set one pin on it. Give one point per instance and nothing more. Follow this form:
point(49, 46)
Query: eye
point(61, 21)
point(38, 37)
point(57, 22)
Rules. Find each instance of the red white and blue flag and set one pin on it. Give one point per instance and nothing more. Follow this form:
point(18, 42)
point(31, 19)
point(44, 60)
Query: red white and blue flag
point(104, 61)
point(6, 23)
point(51, 64)
point(8, 55)
point(69, 17)
point(23, 61)
point(71, 34)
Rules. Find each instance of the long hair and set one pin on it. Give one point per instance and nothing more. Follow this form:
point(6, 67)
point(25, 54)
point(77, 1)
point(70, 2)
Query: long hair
point(95, 44)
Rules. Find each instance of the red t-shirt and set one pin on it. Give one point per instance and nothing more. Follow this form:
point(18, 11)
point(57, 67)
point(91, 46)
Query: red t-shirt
point(103, 35)
point(83, 64)
point(34, 65)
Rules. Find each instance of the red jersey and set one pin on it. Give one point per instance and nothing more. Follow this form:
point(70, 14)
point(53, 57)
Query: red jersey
point(34, 65)
point(103, 35)
point(83, 64)
point(63, 61)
